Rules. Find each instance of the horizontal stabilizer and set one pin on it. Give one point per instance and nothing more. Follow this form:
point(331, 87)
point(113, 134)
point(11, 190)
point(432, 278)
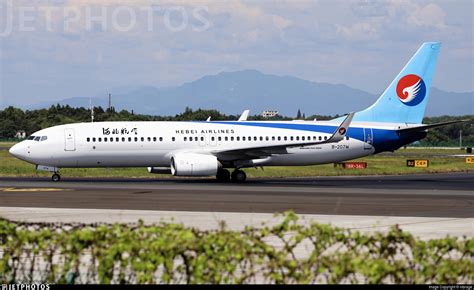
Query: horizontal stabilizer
point(429, 126)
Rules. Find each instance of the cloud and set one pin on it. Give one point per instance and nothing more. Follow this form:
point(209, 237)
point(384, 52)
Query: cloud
point(362, 43)
point(429, 15)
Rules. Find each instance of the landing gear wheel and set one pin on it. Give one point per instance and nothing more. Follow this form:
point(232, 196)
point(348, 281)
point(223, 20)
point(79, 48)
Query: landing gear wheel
point(238, 176)
point(223, 175)
point(56, 177)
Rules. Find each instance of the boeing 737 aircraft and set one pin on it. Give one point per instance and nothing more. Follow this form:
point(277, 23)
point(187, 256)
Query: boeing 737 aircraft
point(210, 148)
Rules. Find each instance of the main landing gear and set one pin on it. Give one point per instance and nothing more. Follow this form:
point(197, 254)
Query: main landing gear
point(56, 177)
point(223, 175)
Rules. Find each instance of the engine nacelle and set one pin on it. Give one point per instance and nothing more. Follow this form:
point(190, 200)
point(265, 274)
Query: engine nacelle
point(194, 164)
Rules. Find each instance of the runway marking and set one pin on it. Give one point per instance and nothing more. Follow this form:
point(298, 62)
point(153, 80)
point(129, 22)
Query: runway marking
point(13, 189)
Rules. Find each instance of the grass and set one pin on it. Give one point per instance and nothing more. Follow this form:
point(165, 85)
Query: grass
point(383, 164)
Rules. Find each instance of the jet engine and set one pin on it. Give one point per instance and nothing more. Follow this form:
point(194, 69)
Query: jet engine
point(194, 164)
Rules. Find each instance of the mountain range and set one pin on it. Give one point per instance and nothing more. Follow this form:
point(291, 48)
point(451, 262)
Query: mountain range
point(232, 92)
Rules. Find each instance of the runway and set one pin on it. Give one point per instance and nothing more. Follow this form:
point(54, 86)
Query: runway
point(434, 195)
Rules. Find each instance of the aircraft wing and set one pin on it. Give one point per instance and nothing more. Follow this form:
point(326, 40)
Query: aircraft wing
point(264, 151)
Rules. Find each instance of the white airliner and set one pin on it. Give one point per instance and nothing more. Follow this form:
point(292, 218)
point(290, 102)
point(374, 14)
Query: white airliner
point(208, 148)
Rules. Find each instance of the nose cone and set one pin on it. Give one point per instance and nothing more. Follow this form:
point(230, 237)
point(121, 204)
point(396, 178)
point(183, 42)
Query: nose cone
point(15, 150)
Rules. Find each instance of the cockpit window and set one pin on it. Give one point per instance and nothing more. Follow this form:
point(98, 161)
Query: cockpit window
point(31, 138)
point(44, 138)
point(37, 138)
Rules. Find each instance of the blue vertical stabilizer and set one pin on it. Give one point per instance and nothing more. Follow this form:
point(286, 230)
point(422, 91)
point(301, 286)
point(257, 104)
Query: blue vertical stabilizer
point(404, 101)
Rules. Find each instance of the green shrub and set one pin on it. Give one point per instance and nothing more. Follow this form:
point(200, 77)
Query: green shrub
point(171, 253)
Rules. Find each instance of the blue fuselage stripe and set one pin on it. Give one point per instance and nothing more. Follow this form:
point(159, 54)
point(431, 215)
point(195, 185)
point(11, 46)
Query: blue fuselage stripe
point(382, 139)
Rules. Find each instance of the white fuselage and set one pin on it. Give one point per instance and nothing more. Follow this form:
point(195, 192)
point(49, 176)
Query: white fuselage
point(143, 144)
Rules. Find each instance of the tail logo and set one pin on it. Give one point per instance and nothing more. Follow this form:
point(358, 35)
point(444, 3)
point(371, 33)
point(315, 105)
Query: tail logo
point(411, 90)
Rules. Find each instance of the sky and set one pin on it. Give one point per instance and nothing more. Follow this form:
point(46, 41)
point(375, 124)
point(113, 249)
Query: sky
point(55, 49)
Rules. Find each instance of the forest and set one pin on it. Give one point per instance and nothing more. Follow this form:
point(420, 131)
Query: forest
point(14, 119)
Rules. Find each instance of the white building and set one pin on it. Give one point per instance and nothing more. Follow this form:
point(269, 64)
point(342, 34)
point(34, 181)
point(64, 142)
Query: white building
point(269, 113)
point(20, 134)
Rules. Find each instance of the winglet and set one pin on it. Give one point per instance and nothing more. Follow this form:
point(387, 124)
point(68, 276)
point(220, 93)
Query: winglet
point(208, 119)
point(342, 129)
point(244, 116)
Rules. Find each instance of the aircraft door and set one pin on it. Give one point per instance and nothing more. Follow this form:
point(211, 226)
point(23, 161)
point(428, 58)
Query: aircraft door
point(69, 140)
point(368, 138)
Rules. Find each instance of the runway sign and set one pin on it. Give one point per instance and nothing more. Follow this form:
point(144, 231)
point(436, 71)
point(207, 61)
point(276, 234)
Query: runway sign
point(470, 160)
point(351, 165)
point(418, 163)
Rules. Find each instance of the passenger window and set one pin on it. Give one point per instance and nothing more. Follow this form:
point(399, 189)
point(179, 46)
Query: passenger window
point(291, 138)
point(185, 138)
point(273, 138)
point(202, 138)
point(136, 139)
point(142, 139)
point(117, 139)
point(297, 138)
point(154, 139)
point(219, 138)
point(243, 138)
point(88, 139)
point(261, 138)
point(285, 138)
point(173, 139)
point(111, 139)
point(232, 138)
point(302, 138)
point(226, 138)
point(99, 139)
point(279, 138)
point(213, 138)
point(129, 139)
point(325, 137)
point(105, 139)
point(254, 138)
point(319, 138)
point(161, 139)
point(93, 139)
point(266, 138)
point(123, 139)
point(238, 138)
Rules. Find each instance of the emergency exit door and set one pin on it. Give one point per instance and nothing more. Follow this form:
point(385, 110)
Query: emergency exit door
point(69, 140)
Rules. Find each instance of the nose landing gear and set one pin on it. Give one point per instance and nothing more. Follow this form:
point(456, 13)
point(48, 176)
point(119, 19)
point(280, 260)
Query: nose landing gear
point(56, 177)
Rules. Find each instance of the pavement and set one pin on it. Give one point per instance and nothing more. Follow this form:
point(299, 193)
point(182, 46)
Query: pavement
point(430, 205)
